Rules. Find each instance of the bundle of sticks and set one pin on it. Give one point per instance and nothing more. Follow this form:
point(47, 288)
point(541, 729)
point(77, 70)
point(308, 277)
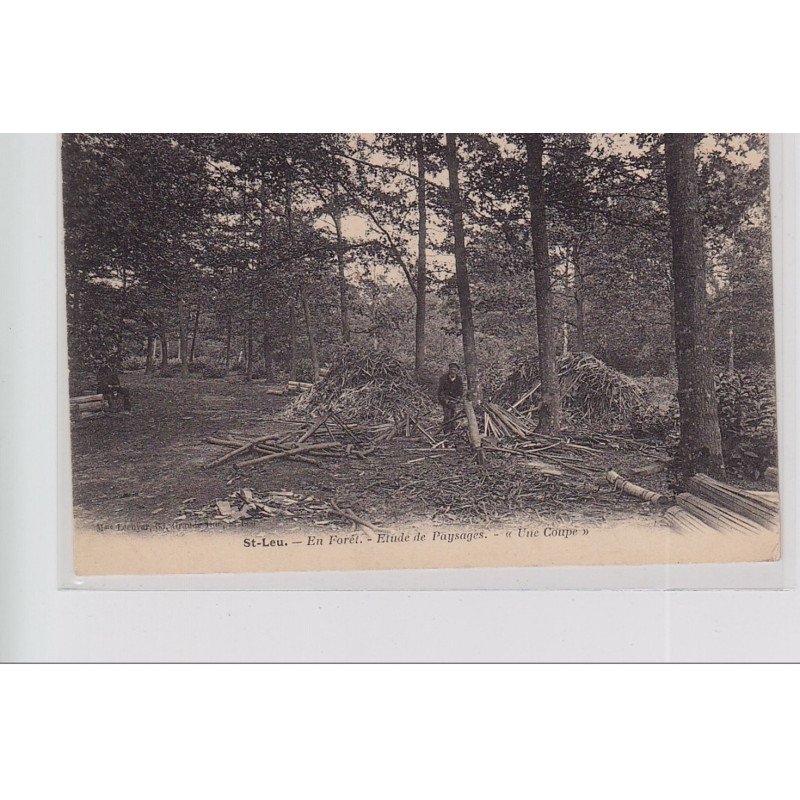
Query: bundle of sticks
point(713, 505)
point(504, 424)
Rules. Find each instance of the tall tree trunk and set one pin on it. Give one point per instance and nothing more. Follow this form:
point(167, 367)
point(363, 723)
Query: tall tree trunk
point(194, 334)
point(121, 318)
point(464, 300)
point(266, 347)
point(228, 337)
point(580, 325)
point(550, 411)
point(700, 441)
point(164, 342)
point(344, 300)
point(312, 342)
point(422, 269)
point(183, 337)
point(292, 340)
point(151, 343)
point(248, 348)
point(731, 363)
point(292, 313)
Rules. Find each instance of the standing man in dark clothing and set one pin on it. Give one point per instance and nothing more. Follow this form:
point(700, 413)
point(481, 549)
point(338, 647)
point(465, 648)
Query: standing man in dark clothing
point(451, 390)
point(108, 385)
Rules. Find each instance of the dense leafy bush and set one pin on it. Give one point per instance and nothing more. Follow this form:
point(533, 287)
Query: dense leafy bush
point(747, 420)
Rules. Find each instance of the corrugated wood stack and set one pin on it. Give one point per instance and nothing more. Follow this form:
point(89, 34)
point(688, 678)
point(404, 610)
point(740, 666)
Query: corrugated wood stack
point(711, 505)
point(87, 406)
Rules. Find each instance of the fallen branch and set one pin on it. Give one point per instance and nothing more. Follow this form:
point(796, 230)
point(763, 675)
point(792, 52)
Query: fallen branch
point(225, 442)
point(304, 459)
point(305, 448)
point(347, 513)
point(634, 490)
point(311, 431)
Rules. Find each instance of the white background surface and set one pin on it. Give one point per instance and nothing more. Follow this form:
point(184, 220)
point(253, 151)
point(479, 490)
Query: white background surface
point(43, 624)
point(240, 731)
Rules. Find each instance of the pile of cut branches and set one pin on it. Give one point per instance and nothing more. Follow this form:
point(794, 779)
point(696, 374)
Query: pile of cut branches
point(330, 436)
point(367, 387)
point(591, 390)
point(247, 504)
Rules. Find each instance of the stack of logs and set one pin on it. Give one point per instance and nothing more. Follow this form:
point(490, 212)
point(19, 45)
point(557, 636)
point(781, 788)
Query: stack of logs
point(87, 406)
point(297, 386)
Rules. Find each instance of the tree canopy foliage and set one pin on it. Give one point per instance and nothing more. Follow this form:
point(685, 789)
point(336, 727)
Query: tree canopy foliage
point(264, 252)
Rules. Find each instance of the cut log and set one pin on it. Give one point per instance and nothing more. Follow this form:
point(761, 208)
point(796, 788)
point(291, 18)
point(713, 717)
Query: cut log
point(94, 405)
point(544, 467)
point(91, 414)
point(717, 517)
point(86, 398)
point(634, 490)
point(650, 469)
point(761, 510)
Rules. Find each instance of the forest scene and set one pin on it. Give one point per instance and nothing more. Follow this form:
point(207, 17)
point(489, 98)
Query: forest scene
point(261, 328)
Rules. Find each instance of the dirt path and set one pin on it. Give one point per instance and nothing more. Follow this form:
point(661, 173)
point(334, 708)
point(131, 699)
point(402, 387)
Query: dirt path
point(141, 467)
point(146, 468)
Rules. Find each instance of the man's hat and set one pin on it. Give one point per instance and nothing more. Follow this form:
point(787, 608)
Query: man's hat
point(454, 364)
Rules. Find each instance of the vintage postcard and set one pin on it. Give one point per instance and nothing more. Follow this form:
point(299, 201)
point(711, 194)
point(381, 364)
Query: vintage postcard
point(336, 352)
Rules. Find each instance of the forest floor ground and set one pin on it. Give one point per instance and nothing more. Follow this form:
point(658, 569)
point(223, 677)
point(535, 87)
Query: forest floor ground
point(150, 466)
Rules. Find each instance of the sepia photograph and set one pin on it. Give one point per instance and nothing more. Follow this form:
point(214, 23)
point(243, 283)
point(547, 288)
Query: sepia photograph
point(393, 351)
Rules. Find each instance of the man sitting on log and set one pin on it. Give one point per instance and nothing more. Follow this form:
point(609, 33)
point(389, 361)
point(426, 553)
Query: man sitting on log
point(451, 390)
point(109, 386)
